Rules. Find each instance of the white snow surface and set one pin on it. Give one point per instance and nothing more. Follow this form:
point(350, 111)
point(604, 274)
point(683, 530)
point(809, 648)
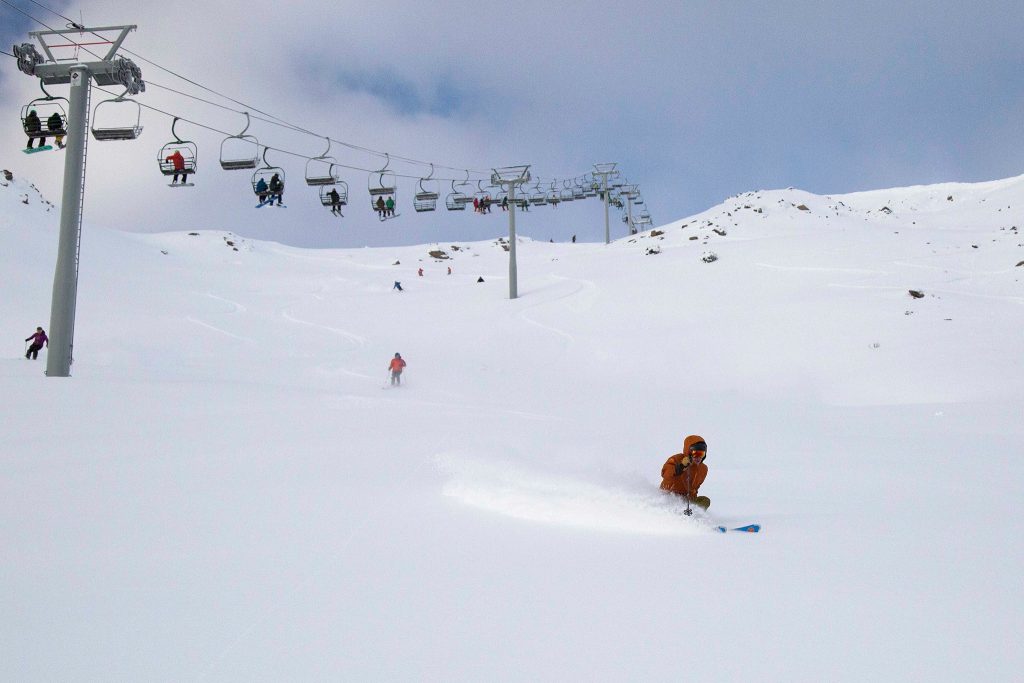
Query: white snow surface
point(225, 490)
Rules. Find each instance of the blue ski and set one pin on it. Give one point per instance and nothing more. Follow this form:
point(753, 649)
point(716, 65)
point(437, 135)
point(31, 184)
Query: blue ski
point(750, 528)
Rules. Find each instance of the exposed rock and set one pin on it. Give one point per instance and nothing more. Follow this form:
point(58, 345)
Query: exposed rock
point(803, 207)
point(8, 175)
point(694, 238)
point(1020, 264)
point(709, 257)
point(916, 293)
point(718, 232)
point(650, 251)
point(193, 234)
point(885, 209)
point(655, 233)
point(438, 254)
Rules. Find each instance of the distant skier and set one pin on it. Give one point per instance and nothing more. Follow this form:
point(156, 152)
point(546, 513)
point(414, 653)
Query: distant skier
point(396, 366)
point(420, 272)
point(398, 286)
point(39, 339)
point(683, 473)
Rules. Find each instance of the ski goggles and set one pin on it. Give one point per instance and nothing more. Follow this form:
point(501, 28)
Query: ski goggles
point(699, 448)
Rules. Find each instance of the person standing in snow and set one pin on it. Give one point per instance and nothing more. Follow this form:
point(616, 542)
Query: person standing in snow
point(396, 366)
point(39, 339)
point(683, 473)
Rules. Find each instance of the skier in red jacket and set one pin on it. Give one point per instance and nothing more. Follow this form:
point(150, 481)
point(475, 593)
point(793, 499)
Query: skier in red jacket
point(396, 366)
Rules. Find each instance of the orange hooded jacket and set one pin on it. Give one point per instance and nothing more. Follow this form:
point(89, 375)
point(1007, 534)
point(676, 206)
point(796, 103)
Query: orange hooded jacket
point(687, 483)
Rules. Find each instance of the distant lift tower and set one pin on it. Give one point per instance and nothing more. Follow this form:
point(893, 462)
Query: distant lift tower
point(107, 70)
point(605, 171)
point(511, 177)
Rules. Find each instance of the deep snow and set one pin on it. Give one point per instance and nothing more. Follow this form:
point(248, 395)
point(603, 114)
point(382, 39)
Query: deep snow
point(224, 490)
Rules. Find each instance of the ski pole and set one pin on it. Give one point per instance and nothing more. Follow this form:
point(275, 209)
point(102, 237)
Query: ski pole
point(689, 483)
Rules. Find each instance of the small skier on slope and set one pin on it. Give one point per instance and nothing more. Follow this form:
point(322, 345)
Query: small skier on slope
point(38, 339)
point(396, 366)
point(683, 473)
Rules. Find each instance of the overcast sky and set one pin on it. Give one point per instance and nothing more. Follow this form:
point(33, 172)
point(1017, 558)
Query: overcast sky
point(696, 101)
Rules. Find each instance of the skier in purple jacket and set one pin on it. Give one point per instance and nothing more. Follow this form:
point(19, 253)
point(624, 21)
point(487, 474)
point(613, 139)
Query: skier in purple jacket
point(39, 339)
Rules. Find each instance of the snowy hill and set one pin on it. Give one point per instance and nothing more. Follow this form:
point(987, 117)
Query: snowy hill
point(227, 490)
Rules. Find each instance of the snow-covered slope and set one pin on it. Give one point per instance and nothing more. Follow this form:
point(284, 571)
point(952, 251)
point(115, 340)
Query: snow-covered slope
point(225, 489)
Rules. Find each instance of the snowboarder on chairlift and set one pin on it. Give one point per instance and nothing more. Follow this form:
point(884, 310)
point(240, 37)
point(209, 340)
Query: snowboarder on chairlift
point(683, 473)
point(396, 366)
point(178, 162)
point(39, 339)
point(33, 127)
point(389, 205)
point(276, 188)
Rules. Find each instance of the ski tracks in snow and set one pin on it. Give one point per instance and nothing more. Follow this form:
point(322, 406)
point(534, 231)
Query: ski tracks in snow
point(236, 309)
point(581, 286)
point(564, 500)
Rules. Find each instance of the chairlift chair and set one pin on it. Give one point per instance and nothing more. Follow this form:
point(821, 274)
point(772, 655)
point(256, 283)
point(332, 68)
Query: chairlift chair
point(267, 173)
point(426, 197)
point(321, 170)
point(382, 185)
point(240, 152)
point(45, 107)
point(456, 201)
point(188, 152)
point(325, 194)
point(538, 197)
point(483, 195)
point(554, 196)
point(566, 195)
point(128, 122)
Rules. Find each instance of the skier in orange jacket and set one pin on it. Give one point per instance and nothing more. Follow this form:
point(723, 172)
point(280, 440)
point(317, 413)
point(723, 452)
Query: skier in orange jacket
point(396, 369)
point(683, 473)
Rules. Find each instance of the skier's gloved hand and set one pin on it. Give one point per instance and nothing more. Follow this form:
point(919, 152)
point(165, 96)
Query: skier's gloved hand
point(683, 463)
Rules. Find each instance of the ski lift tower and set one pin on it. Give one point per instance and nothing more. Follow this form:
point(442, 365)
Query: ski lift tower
point(106, 70)
point(631, 193)
point(510, 177)
point(605, 171)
